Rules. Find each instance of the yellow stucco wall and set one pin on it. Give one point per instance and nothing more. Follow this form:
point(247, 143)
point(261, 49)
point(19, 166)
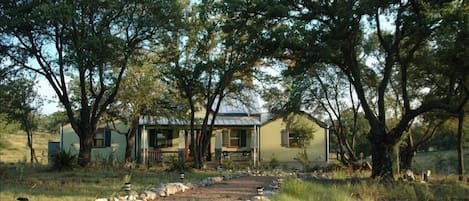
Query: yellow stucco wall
point(271, 139)
point(116, 151)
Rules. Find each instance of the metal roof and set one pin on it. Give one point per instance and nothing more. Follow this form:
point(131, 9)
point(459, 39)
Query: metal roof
point(219, 121)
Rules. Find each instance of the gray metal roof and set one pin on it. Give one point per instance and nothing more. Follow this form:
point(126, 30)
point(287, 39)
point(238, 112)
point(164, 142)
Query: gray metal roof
point(219, 121)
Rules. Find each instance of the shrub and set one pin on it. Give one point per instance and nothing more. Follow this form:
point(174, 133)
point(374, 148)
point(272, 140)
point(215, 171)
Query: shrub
point(274, 163)
point(63, 160)
point(302, 158)
point(227, 164)
point(177, 164)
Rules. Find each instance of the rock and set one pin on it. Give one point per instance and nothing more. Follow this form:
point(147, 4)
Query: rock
point(191, 185)
point(179, 186)
point(409, 175)
point(171, 189)
point(216, 179)
point(148, 195)
point(260, 197)
point(227, 177)
point(206, 182)
point(269, 194)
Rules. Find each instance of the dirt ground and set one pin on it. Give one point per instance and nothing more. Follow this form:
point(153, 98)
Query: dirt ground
point(242, 188)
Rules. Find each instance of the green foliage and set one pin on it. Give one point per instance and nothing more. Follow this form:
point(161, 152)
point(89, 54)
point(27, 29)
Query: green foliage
point(52, 123)
point(178, 164)
point(97, 45)
point(8, 126)
point(227, 164)
point(302, 125)
point(305, 191)
point(127, 178)
point(344, 189)
point(63, 160)
point(274, 163)
point(302, 158)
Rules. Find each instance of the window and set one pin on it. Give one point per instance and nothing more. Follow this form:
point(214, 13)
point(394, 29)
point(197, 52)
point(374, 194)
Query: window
point(102, 138)
point(292, 139)
point(161, 138)
point(234, 138)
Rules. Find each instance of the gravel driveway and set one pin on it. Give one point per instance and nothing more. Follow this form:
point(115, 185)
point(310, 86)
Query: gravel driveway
point(242, 188)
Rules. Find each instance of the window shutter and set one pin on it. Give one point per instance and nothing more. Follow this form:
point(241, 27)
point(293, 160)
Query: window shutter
point(152, 136)
point(107, 137)
point(225, 138)
point(169, 138)
point(284, 138)
point(242, 138)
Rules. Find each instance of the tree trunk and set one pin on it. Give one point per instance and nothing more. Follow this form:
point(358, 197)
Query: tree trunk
point(86, 144)
point(130, 138)
point(461, 146)
point(194, 149)
point(32, 152)
point(381, 153)
point(407, 154)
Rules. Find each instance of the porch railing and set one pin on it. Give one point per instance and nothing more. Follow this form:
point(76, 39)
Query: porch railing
point(156, 156)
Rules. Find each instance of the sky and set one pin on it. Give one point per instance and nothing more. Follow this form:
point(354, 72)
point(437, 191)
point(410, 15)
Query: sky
point(50, 103)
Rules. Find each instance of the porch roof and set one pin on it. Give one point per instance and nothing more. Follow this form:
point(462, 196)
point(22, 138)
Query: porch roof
point(219, 121)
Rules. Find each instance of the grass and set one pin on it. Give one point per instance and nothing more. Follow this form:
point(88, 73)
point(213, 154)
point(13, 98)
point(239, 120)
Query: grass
point(15, 149)
point(38, 183)
point(365, 189)
point(440, 162)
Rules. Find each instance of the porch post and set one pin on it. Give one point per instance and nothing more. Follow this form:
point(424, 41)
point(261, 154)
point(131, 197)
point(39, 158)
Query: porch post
point(144, 145)
point(182, 144)
point(254, 145)
point(218, 146)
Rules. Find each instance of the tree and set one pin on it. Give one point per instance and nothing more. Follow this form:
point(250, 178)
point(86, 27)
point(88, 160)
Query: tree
point(452, 39)
point(20, 105)
point(336, 33)
point(212, 57)
point(299, 124)
point(142, 93)
point(86, 41)
point(53, 122)
point(418, 135)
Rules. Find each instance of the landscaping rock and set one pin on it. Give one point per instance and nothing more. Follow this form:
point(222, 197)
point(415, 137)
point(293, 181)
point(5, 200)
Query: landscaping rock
point(148, 195)
point(259, 197)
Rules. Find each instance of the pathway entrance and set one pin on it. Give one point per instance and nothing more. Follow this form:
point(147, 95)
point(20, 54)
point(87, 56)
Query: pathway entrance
point(242, 188)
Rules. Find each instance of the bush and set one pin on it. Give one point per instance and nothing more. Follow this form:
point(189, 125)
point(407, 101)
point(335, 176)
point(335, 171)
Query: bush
point(274, 163)
point(63, 160)
point(227, 164)
point(177, 164)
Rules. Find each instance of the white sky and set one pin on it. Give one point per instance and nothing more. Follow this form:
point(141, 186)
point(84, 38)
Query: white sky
point(50, 103)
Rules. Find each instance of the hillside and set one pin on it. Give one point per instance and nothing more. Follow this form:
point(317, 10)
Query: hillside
point(14, 147)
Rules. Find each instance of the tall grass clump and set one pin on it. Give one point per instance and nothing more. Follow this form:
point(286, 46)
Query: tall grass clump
point(293, 190)
point(63, 160)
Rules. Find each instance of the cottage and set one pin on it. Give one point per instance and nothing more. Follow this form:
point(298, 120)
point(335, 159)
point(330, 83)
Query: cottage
point(238, 135)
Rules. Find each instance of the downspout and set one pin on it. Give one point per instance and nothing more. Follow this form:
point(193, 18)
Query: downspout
point(327, 143)
point(136, 144)
point(144, 139)
point(61, 145)
point(258, 145)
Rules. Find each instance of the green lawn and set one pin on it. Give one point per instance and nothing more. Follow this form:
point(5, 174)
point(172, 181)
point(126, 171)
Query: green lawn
point(368, 190)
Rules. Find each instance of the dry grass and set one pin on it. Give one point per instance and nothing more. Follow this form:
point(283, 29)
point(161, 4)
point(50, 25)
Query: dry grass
point(15, 147)
point(39, 183)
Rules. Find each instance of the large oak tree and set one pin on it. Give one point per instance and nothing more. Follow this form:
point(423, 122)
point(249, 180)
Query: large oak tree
point(339, 34)
point(90, 42)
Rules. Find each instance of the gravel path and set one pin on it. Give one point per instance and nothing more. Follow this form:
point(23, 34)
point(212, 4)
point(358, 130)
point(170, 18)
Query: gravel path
point(242, 188)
